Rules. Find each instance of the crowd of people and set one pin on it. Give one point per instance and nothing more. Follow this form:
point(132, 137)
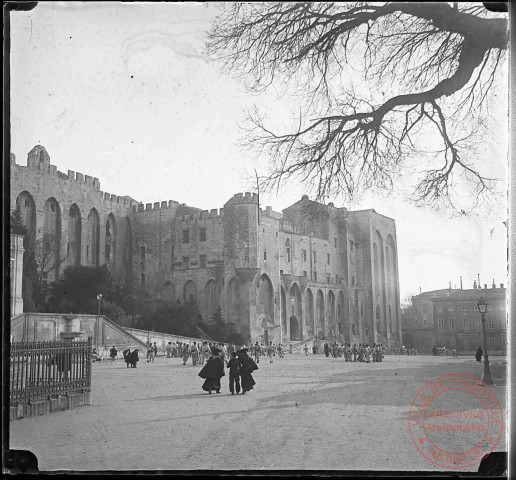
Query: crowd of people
point(353, 353)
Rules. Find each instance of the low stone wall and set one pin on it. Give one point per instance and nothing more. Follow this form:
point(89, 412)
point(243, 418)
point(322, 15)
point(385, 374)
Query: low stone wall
point(42, 407)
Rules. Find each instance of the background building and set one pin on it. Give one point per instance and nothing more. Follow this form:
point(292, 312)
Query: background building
point(312, 271)
point(450, 318)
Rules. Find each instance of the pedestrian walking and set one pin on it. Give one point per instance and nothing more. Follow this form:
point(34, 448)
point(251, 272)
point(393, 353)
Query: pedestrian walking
point(155, 349)
point(326, 349)
point(195, 354)
point(168, 349)
point(205, 353)
point(478, 354)
point(247, 367)
point(257, 351)
point(270, 352)
point(306, 350)
point(185, 353)
point(212, 372)
point(105, 352)
point(355, 352)
point(234, 373)
point(112, 353)
point(150, 353)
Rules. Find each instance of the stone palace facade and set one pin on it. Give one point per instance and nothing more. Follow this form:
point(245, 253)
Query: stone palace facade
point(312, 271)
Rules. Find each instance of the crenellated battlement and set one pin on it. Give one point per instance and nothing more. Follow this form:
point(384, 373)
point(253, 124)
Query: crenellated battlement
point(203, 215)
point(288, 227)
point(115, 198)
point(38, 160)
point(153, 207)
point(246, 197)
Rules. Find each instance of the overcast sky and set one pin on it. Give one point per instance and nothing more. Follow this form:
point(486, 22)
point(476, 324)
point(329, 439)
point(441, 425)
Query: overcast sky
point(124, 93)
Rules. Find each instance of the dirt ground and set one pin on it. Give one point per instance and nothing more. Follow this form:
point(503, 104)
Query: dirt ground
point(305, 413)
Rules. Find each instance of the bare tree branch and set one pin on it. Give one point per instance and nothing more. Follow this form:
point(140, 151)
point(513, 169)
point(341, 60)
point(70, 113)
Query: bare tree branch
point(430, 68)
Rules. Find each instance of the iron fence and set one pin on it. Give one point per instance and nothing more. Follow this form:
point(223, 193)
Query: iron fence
point(41, 370)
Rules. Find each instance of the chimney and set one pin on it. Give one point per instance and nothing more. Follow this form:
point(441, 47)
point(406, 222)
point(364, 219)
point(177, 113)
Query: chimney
point(449, 285)
point(474, 285)
point(485, 286)
point(461, 282)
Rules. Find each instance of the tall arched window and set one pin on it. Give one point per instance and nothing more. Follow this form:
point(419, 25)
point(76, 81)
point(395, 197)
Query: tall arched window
point(93, 239)
point(73, 248)
point(110, 249)
point(49, 252)
point(265, 305)
point(211, 299)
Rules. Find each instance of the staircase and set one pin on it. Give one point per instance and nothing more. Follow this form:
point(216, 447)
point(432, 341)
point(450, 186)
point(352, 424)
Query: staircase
point(299, 345)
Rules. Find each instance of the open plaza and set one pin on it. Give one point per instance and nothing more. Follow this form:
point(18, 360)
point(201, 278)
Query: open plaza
point(306, 413)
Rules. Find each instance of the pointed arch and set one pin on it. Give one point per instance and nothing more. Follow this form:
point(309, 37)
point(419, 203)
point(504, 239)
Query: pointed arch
point(93, 239)
point(168, 292)
point(111, 240)
point(73, 249)
point(190, 292)
point(320, 315)
point(51, 248)
point(265, 307)
point(28, 212)
point(233, 296)
point(284, 315)
point(332, 327)
point(211, 299)
point(309, 313)
point(296, 308)
point(127, 257)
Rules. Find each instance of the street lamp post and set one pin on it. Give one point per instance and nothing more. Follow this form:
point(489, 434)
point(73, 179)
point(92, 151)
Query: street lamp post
point(99, 298)
point(482, 308)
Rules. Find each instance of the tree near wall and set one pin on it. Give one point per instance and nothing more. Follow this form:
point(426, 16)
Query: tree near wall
point(30, 284)
point(384, 89)
point(76, 291)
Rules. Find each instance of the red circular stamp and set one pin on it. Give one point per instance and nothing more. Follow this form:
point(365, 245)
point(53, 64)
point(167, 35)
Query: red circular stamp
point(455, 421)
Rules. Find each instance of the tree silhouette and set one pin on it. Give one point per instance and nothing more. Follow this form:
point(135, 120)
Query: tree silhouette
point(17, 225)
point(426, 70)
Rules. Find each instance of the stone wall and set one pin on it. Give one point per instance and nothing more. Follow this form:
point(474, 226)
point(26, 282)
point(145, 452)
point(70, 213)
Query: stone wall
point(48, 198)
point(311, 270)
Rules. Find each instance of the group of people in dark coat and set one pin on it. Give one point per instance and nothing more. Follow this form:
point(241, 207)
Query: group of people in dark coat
point(240, 366)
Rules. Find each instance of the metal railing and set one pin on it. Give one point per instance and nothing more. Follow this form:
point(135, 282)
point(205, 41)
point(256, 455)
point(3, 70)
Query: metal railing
point(41, 370)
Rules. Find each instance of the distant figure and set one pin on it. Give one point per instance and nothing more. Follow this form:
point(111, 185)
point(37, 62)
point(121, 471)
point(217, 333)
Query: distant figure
point(113, 353)
point(326, 349)
point(168, 349)
point(195, 354)
point(257, 350)
point(478, 354)
point(290, 349)
point(150, 353)
point(306, 350)
point(185, 352)
point(270, 352)
point(454, 352)
point(314, 350)
point(434, 351)
point(212, 372)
